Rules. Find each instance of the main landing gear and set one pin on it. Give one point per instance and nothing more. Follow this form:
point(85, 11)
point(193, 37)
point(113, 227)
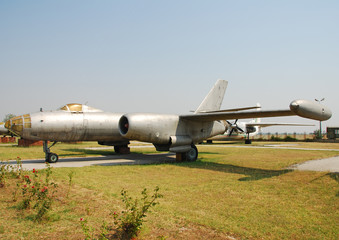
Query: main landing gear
point(248, 140)
point(49, 156)
point(189, 156)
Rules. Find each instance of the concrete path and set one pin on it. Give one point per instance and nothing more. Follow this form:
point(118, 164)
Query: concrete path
point(274, 146)
point(129, 159)
point(321, 165)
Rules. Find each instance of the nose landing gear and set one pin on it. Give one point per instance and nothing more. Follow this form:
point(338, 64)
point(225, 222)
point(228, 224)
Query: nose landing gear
point(49, 156)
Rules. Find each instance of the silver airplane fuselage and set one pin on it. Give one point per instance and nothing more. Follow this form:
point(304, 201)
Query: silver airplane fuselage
point(167, 131)
point(65, 126)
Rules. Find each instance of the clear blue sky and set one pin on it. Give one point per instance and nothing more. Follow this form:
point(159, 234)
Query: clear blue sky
point(164, 56)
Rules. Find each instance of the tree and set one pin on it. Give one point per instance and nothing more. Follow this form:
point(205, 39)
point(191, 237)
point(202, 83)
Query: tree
point(317, 134)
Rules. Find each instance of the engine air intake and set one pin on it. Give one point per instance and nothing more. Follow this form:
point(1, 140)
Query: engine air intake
point(123, 125)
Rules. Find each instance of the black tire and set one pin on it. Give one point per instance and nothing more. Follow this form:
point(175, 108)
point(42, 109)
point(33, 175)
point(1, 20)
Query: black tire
point(52, 158)
point(248, 141)
point(117, 149)
point(192, 154)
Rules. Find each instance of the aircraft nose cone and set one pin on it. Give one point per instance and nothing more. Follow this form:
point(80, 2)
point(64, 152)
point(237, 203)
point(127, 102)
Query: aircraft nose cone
point(17, 124)
point(8, 124)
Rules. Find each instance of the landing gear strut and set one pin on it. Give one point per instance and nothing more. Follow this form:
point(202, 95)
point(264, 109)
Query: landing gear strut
point(189, 156)
point(49, 156)
point(248, 140)
point(122, 149)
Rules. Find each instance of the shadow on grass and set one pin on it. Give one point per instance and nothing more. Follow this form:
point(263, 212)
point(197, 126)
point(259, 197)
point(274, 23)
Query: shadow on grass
point(89, 152)
point(83, 151)
point(223, 143)
point(252, 174)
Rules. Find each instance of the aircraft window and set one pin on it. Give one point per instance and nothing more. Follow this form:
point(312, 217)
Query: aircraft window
point(74, 107)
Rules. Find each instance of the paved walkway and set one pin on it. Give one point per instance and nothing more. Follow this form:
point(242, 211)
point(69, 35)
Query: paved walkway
point(321, 165)
point(128, 159)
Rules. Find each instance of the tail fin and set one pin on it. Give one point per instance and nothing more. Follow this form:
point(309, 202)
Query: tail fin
point(214, 98)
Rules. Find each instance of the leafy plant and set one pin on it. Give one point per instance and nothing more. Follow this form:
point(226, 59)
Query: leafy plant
point(37, 191)
point(130, 220)
point(89, 231)
point(2, 175)
point(70, 182)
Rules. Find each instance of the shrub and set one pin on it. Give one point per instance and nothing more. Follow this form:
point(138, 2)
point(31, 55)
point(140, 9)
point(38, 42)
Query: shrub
point(289, 139)
point(38, 192)
point(130, 220)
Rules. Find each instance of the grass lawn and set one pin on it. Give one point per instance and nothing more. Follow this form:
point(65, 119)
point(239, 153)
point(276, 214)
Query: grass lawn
point(229, 193)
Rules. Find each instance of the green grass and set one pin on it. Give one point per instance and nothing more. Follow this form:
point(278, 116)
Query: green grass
point(243, 193)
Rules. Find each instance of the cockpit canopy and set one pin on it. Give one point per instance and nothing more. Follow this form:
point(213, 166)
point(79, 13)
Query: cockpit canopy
point(77, 107)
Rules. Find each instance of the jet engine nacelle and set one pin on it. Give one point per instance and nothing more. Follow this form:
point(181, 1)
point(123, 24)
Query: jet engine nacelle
point(310, 109)
point(154, 128)
point(251, 129)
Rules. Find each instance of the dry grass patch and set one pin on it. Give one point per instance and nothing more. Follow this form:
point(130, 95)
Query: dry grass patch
point(228, 193)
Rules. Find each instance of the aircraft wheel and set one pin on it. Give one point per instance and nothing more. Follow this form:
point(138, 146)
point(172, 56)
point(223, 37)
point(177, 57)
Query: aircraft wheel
point(192, 154)
point(52, 158)
point(248, 141)
point(117, 149)
point(122, 149)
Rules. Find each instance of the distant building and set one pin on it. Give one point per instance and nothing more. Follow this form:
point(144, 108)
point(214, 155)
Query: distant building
point(332, 132)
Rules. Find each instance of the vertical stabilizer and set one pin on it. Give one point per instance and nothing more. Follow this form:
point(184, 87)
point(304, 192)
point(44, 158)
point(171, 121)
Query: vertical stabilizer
point(214, 98)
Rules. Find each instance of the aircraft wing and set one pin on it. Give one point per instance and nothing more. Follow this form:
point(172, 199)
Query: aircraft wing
point(276, 124)
point(237, 115)
point(302, 108)
point(231, 110)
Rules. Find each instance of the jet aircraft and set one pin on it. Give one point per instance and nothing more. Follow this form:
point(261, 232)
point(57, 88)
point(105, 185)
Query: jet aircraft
point(167, 132)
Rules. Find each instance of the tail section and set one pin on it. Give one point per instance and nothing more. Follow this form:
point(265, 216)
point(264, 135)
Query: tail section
point(214, 98)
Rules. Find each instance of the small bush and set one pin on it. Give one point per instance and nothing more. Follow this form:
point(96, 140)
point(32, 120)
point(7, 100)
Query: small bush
point(289, 139)
point(37, 191)
point(130, 220)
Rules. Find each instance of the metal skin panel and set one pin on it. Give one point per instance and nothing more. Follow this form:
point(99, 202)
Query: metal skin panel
point(214, 98)
point(3, 130)
point(310, 109)
point(67, 126)
point(149, 127)
point(160, 128)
